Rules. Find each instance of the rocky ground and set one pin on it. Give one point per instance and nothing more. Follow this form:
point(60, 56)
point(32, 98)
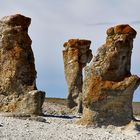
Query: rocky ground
point(59, 124)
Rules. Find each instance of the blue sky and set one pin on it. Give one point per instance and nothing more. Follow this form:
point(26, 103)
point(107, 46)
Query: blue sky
point(56, 21)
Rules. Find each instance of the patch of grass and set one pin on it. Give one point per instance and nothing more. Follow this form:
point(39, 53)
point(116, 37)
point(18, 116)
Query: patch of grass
point(136, 108)
point(61, 101)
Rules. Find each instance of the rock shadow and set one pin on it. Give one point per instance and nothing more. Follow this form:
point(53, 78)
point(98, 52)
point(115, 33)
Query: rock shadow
point(60, 116)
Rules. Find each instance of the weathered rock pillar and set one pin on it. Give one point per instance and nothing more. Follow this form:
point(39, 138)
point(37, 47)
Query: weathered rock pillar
point(76, 55)
point(18, 92)
point(108, 85)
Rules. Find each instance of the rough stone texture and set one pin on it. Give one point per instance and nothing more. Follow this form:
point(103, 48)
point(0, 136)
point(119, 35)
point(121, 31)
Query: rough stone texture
point(108, 85)
point(17, 68)
point(76, 55)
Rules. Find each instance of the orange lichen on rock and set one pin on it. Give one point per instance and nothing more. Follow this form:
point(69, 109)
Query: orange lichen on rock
point(122, 29)
point(77, 43)
point(76, 55)
point(108, 86)
point(17, 71)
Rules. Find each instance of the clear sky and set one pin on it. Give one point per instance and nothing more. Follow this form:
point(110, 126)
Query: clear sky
point(56, 21)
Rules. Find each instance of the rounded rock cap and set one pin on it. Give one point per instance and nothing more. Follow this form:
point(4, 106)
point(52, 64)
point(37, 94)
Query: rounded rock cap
point(122, 29)
point(77, 42)
point(17, 20)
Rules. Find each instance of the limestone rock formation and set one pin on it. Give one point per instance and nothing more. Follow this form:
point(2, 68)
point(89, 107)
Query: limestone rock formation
point(17, 68)
point(108, 85)
point(76, 55)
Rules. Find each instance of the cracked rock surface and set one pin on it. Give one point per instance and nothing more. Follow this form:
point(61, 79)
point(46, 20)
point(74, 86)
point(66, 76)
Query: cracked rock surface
point(18, 92)
point(108, 86)
point(75, 55)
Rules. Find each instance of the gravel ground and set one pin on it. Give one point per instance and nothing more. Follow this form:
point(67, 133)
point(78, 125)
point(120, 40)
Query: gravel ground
point(61, 128)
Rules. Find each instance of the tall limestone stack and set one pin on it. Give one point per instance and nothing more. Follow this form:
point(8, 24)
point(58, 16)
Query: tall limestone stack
point(108, 85)
point(18, 92)
point(76, 55)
